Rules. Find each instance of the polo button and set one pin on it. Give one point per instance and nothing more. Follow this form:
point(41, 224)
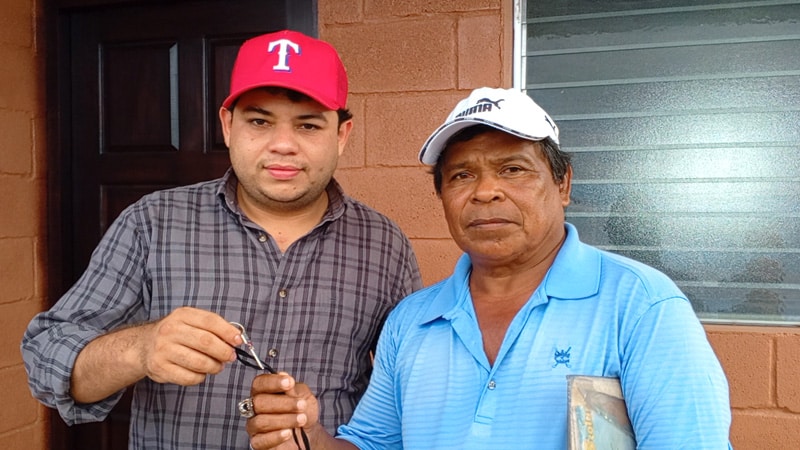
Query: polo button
point(492, 385)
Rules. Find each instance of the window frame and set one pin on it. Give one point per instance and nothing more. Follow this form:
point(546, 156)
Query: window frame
point(519, 79)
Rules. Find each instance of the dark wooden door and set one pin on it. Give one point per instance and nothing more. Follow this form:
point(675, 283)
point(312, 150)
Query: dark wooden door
point(136, 87)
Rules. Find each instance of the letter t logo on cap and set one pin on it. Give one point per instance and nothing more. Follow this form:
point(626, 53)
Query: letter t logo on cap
point(290, 60)
point(283, 53)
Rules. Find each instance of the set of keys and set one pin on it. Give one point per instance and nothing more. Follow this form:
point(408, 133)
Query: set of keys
point(246, 407)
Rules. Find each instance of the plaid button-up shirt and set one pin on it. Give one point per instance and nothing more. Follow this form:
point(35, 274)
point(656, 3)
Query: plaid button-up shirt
point(313, 311)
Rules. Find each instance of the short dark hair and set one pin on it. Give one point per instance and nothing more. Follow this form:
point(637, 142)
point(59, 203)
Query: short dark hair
point(558, 160)
point(297, 97)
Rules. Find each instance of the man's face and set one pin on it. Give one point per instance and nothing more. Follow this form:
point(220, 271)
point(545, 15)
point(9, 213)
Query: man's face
point(284, 153)
point(500, 200)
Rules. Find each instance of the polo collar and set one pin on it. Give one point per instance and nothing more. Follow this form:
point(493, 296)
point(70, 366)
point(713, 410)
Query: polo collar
point(574, 275)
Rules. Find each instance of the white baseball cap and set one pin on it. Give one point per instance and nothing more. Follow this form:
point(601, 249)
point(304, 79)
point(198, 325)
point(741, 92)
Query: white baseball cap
point(507, 110)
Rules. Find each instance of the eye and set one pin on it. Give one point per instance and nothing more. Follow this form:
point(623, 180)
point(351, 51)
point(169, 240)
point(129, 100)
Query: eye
point(258, 122)
point(512, 170)
point(463, 175)
point(309, 126)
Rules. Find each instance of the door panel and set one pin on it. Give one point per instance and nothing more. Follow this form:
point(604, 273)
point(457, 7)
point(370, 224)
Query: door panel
point(147, 82)
point(137, 89)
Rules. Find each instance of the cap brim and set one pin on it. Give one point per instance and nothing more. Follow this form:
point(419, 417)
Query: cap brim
point(433, 147)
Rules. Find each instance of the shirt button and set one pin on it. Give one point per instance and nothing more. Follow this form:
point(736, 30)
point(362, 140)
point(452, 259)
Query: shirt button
point(492, 385)
point(282, 293)
point(273, 352)
point(262, 238)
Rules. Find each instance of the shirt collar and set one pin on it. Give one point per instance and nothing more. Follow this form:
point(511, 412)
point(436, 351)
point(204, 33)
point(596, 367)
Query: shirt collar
point(337, 201)
point(226, 190)
point(574, 275)
point(452, 293)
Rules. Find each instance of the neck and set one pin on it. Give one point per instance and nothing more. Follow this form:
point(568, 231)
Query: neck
point(497, 279)
point(287, 225)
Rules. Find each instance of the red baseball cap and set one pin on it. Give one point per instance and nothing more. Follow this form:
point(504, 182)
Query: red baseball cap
point(291, 60)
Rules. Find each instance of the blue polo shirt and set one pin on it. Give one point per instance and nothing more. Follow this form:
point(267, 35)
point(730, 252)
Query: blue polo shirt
point(595, 313)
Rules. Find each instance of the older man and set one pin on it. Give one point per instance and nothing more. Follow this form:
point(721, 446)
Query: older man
point(481, 359)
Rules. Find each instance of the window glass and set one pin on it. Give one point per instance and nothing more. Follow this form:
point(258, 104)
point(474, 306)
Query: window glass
point(683, 118)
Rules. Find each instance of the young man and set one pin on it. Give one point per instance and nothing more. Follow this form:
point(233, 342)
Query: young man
point(481, 359)
point(274, 245)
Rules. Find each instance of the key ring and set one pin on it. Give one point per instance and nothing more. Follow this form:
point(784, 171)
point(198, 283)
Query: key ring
point(245, 407)
point(250, 347)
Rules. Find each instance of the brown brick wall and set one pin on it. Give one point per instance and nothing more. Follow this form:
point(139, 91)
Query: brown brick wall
point(762, 365)
point(408, 63)
point(22, 215)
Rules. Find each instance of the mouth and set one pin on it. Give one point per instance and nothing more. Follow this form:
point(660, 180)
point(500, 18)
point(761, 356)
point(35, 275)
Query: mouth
point(492, 222)
point(281, 172)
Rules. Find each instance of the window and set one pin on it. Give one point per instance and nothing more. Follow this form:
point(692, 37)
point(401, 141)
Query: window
point(683, 118)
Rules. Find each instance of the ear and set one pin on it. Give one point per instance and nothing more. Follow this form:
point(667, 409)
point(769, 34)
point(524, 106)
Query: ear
point(225, 120)
point(344, 133)
point(565, 187)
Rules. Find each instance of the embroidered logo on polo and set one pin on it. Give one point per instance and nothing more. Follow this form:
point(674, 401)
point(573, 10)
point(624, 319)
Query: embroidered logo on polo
point(561, 357)
point(283, 46)
point(482, 105)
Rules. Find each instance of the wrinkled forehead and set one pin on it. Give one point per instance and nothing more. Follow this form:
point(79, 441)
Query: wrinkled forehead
point(489, 144)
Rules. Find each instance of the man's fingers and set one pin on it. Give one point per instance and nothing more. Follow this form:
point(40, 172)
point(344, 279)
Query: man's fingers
point(189, 344)
point(276, 440)
point(172, 373)
point(275, 404)
point(195, 361)
point(281, 406)
point(272, 430)
point(203, 331)
point(211, 322)
point(272, 383)
point(203, 344)
point(267, 423)
point(280, 382)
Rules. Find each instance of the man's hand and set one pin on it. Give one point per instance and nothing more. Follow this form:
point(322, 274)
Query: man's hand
point(282, 406)
point(181, 348)
point(185, 346)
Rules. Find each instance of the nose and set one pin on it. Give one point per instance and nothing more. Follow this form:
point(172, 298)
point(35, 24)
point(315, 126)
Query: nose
point(282, 139)
point(487, 189)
